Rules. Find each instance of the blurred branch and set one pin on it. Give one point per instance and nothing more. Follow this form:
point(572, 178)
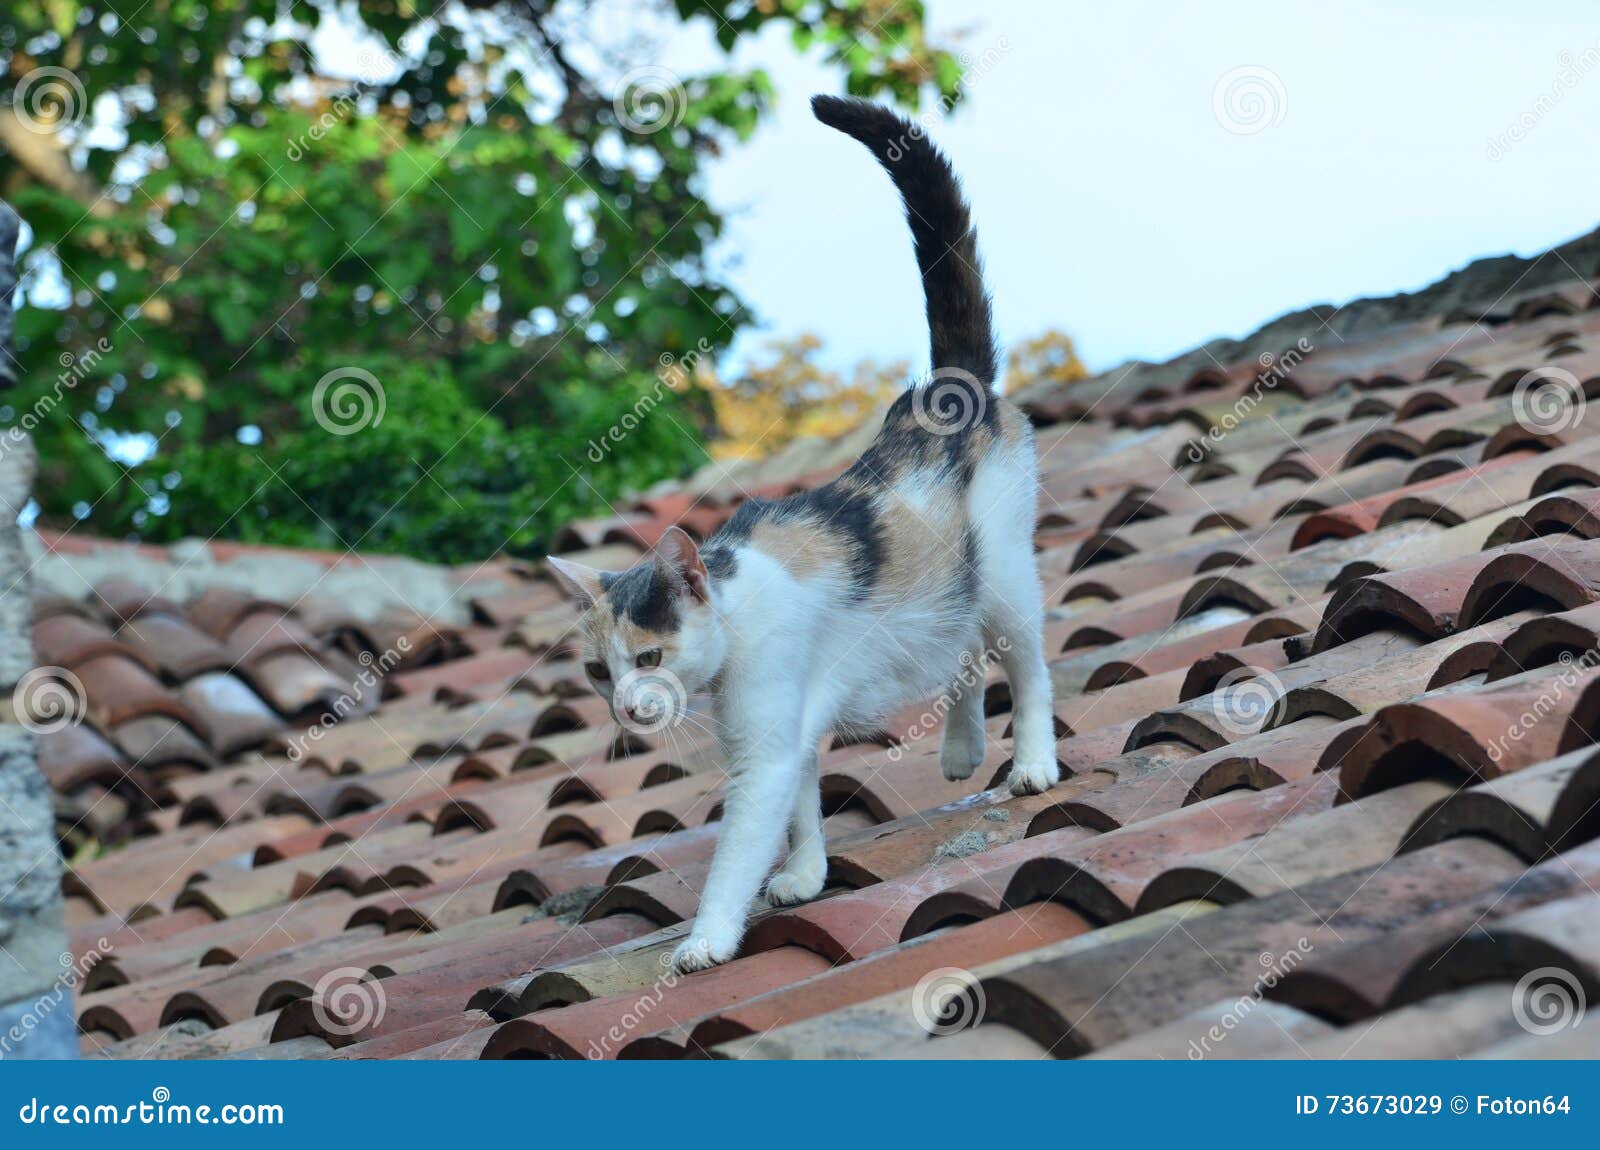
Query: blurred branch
point(42, 157)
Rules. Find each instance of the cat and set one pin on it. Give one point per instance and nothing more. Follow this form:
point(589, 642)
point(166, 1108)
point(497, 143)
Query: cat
point(834, 607)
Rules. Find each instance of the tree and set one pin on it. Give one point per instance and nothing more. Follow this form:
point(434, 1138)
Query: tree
point(1047, 357)
point(388, 298)
point(789, 396)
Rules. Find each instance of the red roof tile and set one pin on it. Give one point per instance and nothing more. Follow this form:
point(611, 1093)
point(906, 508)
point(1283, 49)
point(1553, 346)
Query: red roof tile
point(1325, 700)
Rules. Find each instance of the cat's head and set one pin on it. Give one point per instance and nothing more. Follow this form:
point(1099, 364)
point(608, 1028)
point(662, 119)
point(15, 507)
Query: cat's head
point(650, 637)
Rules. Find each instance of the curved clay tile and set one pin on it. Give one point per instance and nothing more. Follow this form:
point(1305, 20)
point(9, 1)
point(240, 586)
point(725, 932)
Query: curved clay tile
point(66, 640)
point(1258, 590)
point(1265, 1030)
point(675, 851)
point(1450, 498)
point(981, 821)
point(1533, 812)
point(180, 649)
point(665, 898)
point(1574, 512)
point(1283, 754)
point(1542, 640)
point(1134, 785)
point(1425, 600)
point(159, 744)
point(1313, 840)
point(124, 599)
point(118, 688)
point(1562, 935)
point(1354, 979)
point(1105, 877)
point(1235, 665)
point(1124, 577)
point(1580, 472)
point(1156, 653)
point(1429, 400)
point(232, 716)
point(1477, 733)
point(76, 755)
point(1235, 710)
point(856, 923)
point(216, 610)
point(1448, 1025)
point(587, 1029)
point(683, 803)
point(1390, 442)
point(869, 978)
point(1583, 719)
point(1123, 703)
point(1565, 572)
point(1382, 667)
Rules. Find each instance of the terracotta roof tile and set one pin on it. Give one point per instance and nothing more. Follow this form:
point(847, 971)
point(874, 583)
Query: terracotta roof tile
point(1321, 653)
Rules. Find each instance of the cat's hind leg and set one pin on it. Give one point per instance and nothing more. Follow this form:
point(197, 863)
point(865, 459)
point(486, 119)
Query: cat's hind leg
point(1011, 607)
point(961, 749)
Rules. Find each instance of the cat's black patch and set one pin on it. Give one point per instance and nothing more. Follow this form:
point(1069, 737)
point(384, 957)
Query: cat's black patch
point(968, 575)
point(842, 508)
point(721, 562)
point(945, 424)
point(849, 511)
point(646, 596)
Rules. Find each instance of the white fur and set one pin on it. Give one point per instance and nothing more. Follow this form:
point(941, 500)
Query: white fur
point(796, 659)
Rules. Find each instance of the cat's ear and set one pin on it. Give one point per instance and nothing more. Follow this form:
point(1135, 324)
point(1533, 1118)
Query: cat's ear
point(678, 551)
point(584, 584)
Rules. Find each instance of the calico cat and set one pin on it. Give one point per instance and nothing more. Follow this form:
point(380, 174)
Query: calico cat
point(834, 607)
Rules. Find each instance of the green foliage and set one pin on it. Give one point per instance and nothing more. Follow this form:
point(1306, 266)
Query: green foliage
point(474, 223)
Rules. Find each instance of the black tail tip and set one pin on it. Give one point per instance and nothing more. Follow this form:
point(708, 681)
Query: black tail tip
point(853, 116)
point(831, 110)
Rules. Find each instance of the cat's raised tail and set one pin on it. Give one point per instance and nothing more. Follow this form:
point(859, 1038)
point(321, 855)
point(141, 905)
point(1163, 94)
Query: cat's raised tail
point(960, 328)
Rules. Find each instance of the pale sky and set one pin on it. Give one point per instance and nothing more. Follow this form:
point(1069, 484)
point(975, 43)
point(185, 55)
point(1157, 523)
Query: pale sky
point(1111, 202)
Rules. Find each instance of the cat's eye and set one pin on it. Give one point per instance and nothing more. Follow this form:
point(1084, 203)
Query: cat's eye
point(598, 670)
point(650, 658)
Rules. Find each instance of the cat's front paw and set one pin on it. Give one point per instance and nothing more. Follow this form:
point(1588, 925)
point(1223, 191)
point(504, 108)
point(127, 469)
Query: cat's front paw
point(802, 884)
point(701, 952)
point(1033, 776)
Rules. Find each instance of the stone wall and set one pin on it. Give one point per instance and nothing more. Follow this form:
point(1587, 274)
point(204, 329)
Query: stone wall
point(36, 1010)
